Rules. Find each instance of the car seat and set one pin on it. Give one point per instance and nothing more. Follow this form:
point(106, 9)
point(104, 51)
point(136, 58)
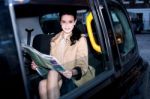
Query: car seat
point(41, 42)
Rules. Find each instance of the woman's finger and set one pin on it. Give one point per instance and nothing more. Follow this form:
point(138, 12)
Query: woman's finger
point(33, 65)
point(67, 74)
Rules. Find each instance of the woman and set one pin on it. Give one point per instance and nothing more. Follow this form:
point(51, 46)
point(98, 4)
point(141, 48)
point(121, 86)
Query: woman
point(70, 48)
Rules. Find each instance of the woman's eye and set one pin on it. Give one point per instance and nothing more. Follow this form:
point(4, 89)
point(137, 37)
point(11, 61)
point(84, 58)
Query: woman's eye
point(63, 21)
point(70, 21)
point(67, 21)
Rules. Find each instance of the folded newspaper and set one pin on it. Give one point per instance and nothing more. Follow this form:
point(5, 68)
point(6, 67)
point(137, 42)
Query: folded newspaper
point(43, 60)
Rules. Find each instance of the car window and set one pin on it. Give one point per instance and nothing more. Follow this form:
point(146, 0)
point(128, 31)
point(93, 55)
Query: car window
point(49, 26)
point(123, 32)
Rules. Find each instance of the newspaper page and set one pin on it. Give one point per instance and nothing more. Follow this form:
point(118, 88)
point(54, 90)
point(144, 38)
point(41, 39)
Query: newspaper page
point(43, 60)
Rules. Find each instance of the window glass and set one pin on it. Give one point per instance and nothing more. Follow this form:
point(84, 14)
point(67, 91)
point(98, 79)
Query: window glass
point(49, 23)
point(123, 32)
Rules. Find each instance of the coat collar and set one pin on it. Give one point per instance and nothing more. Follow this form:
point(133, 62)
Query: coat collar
point(56, 39)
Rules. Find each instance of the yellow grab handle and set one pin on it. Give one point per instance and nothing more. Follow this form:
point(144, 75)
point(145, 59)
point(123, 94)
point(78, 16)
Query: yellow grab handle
point(95, 46)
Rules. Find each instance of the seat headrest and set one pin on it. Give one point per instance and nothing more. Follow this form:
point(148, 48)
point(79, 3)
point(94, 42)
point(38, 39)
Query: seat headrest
point(51, 27)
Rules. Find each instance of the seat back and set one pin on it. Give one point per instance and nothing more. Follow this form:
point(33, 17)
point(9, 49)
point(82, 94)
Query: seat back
point(41, 42)
point(28, 28)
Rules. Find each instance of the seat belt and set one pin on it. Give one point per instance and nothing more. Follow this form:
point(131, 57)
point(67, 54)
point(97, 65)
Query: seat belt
point(29, 31)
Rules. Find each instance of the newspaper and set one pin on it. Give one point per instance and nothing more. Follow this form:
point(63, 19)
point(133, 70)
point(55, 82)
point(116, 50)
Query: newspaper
point(43, 60)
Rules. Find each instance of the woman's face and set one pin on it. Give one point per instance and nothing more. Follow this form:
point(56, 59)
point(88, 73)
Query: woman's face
point(67, 23)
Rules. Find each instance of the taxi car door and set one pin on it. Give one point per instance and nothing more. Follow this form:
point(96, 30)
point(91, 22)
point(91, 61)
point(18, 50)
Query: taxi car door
point(114, 63)
point(13, 82)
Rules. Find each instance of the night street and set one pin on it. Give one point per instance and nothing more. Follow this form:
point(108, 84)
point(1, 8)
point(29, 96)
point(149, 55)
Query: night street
point(143, 41)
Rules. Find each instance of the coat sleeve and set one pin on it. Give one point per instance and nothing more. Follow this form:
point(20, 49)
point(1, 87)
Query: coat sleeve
point(82, 55)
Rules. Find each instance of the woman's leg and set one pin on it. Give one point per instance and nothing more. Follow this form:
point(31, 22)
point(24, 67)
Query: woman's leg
point(43, 89)
point(54, 83)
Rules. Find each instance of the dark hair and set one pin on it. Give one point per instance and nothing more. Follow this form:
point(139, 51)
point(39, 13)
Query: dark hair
point(76, 33)
point(69, 12)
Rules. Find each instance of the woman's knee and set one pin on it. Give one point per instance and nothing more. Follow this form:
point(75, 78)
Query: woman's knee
point(54, 75)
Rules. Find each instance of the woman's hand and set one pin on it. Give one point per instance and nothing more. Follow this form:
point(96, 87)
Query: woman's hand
point(67, 73)
point(33, 65)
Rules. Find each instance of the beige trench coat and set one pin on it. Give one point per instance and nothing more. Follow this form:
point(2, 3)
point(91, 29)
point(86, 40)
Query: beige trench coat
point(71, 56)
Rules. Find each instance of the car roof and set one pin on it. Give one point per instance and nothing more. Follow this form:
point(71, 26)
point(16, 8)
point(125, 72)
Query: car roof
point(53, 2)
point(78, 2)
point(40, 7)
